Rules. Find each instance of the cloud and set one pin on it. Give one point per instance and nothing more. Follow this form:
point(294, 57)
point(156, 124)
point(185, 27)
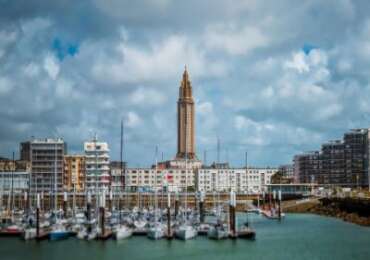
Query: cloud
point(5, 86)
point(235, 40)
point(145, 96)
point(133, 119)
point(257, 82)
point(135, 64)
point(51, 66)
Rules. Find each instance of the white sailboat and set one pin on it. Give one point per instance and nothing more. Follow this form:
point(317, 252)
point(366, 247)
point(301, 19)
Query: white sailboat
point(122, 232)
point(186, 231)
point(156, 230)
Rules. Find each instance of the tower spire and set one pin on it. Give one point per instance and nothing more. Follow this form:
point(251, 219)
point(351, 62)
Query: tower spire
point(185, 119)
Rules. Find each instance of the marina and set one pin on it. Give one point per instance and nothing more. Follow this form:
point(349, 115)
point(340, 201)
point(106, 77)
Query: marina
point(97, 221)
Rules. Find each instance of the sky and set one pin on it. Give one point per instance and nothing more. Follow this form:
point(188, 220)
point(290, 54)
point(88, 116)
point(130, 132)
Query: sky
point(273, 78)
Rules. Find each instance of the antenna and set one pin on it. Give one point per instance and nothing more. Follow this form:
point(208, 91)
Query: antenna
point(246, 159)
point(121, 152)
point(218, 150)
point(205, 157)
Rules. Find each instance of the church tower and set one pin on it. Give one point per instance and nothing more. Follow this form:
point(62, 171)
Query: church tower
point(185, 120)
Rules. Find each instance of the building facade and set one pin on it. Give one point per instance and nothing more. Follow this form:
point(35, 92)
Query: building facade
point(287, 170)
point(340, 162)
point(97, 165)
point(74, 173)
point(19, 180)
point(241, 180)
point(47, 163)
point(148, 179)
point(117, 174)
point(7, 165)
point(307, 167)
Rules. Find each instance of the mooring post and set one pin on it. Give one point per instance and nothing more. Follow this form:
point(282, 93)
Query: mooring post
point(88, 212)
point(65, 198)
point(169, 232)
point(232, 216)
point(38, 215)
point(201, 207)
point(279, 205)
point(176, 205)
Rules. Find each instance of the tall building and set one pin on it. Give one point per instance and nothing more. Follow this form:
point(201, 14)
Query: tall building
point(185, 120)
point(47, 163)
point(74, 173)
point(340, 162)
point(307, 167)
point(97, 165)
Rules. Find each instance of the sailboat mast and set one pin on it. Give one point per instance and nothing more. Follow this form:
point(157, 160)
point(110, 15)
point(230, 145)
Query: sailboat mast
point(155, 185)
point(186, 176)
point(55, 179)
point(12, 187)
point(121, 153)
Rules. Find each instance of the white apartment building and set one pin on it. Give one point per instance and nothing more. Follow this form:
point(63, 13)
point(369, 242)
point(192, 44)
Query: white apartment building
point(172, 179)
point(97, 165)
point(240, 180)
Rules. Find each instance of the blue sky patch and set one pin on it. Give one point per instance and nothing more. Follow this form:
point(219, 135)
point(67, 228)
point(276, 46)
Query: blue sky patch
point(308, 47)
point(63, 49)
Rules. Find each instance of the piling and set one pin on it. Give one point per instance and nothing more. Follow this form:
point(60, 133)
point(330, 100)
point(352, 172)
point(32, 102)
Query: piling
point(169, 231)
point(279, 205)
point(38, 216)
point(232, 215)
point(65, 198)
point(201, 207)
point(176, 205)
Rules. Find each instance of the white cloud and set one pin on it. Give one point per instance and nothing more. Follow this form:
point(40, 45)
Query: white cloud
point(51, 66)
point(145, 96)
point(5, 85)
point(31, 69)
point(133, 119)
point(298, 62)
point(163, 60)
point(64, 88)
point(235, 40)
point(205, 108)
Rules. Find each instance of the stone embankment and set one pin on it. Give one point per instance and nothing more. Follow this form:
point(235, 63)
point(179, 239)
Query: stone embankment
point(353, 210)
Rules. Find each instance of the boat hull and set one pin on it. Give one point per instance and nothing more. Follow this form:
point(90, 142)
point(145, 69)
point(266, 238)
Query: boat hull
point(58, 235)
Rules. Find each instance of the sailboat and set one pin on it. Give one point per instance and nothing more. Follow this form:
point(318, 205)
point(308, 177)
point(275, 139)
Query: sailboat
point(58, 230)
point(219, 230)
point(11, 227)
point(121, 231)
point(156, 230)
point(186, 231)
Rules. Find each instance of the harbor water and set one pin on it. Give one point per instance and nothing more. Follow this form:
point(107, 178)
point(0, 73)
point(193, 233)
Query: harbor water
point(298, 236)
